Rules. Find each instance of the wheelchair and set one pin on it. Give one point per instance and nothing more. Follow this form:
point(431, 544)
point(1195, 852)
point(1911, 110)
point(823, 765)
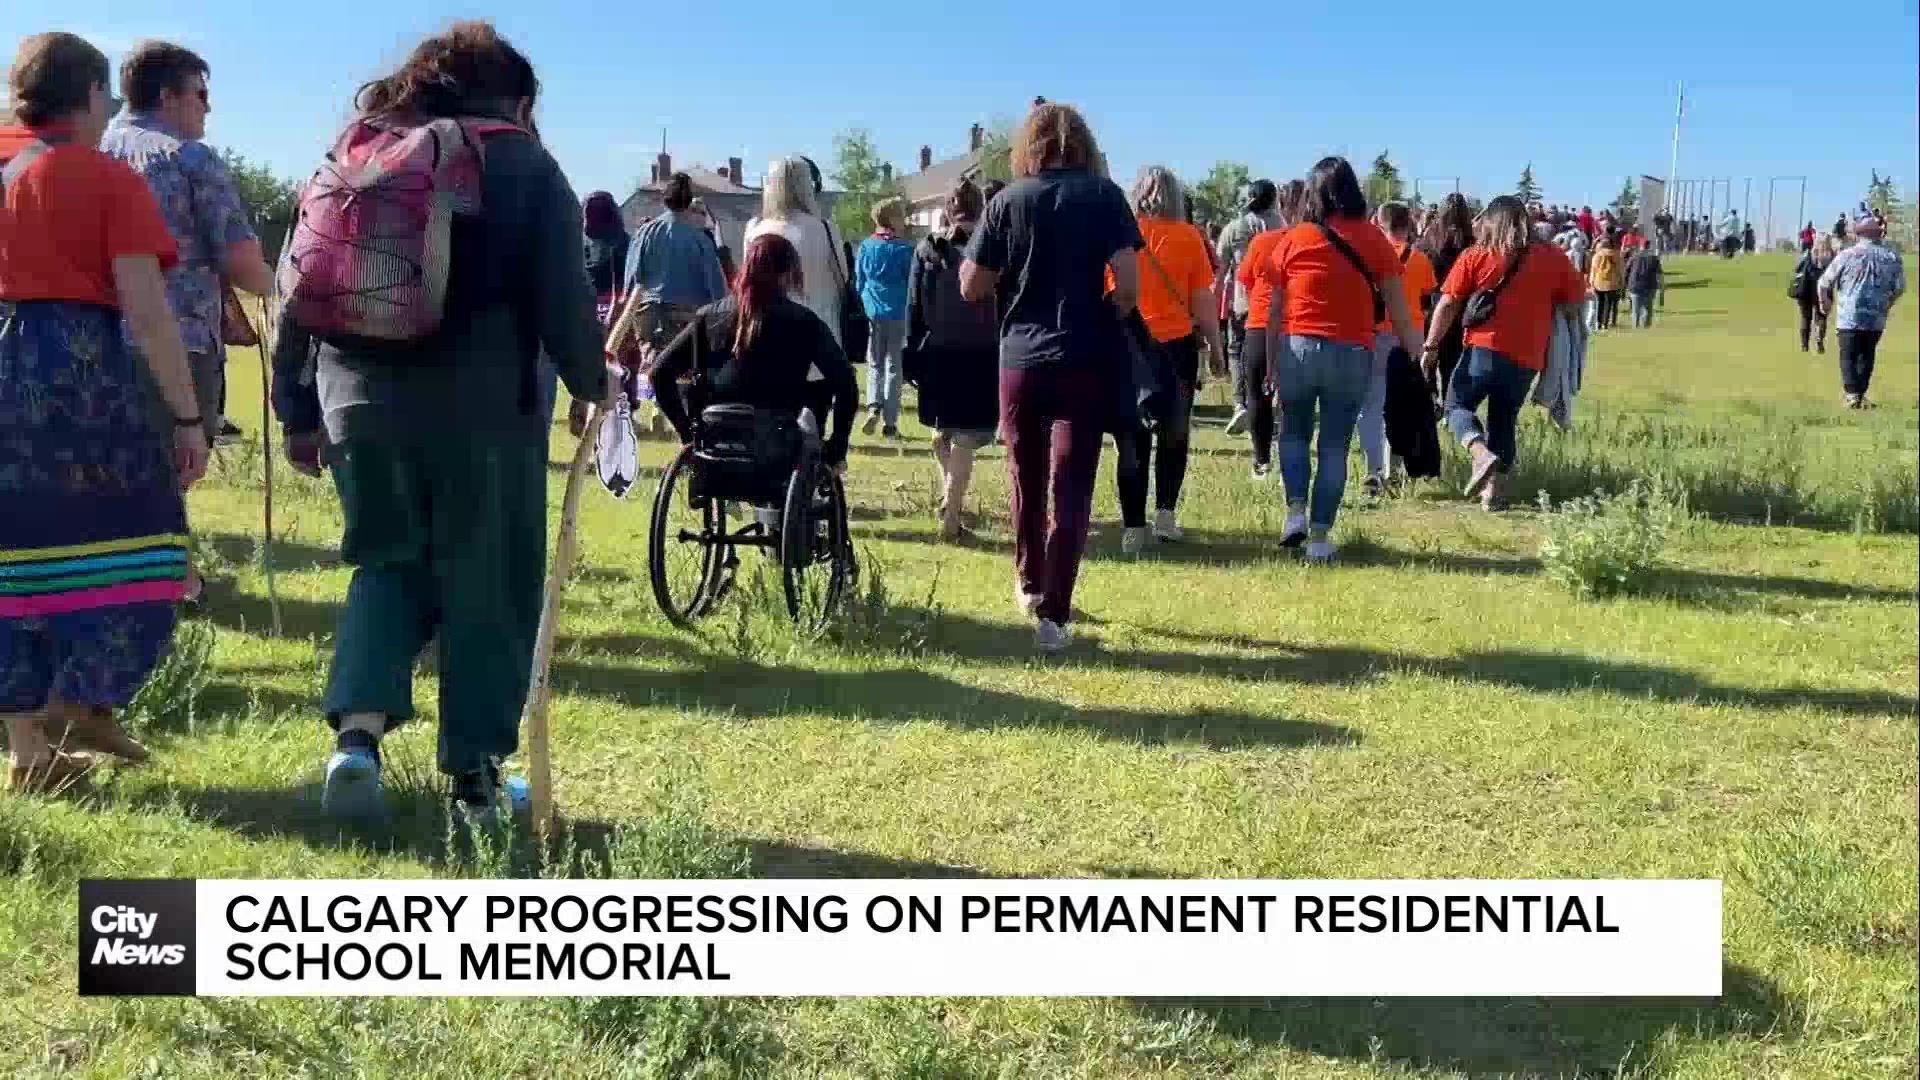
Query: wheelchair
point(766, 468)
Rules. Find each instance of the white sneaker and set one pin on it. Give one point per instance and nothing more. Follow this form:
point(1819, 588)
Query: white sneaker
point(1320, 551)
point(1165, 527)
point(1050, 636)
point(1237, 424)
point(1133, 541)
point(1294, 533)
point(1261, 473)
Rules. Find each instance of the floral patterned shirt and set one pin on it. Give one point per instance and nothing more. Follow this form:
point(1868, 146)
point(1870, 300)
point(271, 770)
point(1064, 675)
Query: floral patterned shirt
point(203, 210)
point(1865, 280)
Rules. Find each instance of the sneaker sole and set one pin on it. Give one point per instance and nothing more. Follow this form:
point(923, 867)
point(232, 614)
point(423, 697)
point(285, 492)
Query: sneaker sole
point(1237, 426)
point(1480, 475)
point(1293, 540)
point(353, 791)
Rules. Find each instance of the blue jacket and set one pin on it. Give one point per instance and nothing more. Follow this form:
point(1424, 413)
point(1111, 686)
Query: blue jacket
point(673, 262)
point(880, 271)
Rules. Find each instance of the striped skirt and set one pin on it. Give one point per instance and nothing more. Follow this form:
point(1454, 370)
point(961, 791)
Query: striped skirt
point(91, 515)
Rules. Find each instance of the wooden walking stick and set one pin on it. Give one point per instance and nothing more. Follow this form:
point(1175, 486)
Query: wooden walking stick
point(259, 335)
point(539, 748)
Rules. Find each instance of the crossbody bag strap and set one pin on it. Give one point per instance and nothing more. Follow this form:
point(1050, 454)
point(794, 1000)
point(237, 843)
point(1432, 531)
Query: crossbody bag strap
point(1165, 278)
point(18, 165)
point(839, 257)
point(1340, 242)
point(1513, 268)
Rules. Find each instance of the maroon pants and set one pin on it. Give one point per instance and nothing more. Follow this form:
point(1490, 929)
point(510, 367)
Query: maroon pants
point(1051, 420)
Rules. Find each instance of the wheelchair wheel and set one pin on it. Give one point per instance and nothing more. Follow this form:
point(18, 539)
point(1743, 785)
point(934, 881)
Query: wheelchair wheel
point(687, 548)
point(814, 548)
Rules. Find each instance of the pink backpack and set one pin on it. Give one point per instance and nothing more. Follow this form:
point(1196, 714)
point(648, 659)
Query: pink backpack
point(368, 257)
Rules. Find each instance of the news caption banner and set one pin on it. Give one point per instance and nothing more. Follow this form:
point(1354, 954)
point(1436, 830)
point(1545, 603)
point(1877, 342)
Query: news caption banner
point(841, 937)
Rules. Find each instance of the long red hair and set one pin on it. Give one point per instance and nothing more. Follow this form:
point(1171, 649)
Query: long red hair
point(762, 279)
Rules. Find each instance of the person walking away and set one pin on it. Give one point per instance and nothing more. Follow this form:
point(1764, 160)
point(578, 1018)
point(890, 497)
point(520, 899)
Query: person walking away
point(1607, 279)
point(953, 347)
point(1044, 247)
point(92, 523)
point(606, 243)
point(1730, 234)
point(767, 349)
point(1417, 280)
point(1645, 276)
point(1586, 222)
point(160, 137)
point(1266, 336)
point(1807, 236)
point(672, 270)
point(1746, 238)
point(1178, 306)
point(880, 272)
point(1508, 347)
point(704, 215)
point(437, 446)
point(1332, 275)
point(789, 207)
point(1447, 237)
point(1804, 287)
point(1257, 216)
point(1857, 291)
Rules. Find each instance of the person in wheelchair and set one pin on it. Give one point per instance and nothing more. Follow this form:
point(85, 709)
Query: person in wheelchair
point(762, 349)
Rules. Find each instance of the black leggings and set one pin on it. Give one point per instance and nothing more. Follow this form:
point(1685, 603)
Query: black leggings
point(1813, 324)
point(1256, 361)
point(1608, 312)
point(1170, 431)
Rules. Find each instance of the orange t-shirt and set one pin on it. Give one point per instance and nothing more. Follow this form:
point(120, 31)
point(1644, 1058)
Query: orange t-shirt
point(1255, 273)
point(1325, 294)
point(1523, 315)
point(1417, 279)
point(1166, 299)
point(67, 217)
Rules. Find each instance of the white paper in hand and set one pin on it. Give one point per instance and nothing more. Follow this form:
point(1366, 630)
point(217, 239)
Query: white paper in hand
point(617, 455)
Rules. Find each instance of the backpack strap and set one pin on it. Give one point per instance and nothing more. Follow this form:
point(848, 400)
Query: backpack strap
point(17, 167)
point(1513, 267)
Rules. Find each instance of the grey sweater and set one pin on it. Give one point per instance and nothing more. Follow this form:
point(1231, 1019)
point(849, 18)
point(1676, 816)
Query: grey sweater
point(518, 293)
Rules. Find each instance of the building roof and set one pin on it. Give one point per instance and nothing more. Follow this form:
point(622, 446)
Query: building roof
point(932, 183)
point(706, 182)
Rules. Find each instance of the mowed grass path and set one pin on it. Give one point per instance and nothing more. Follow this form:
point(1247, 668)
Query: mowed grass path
point(1431, 707)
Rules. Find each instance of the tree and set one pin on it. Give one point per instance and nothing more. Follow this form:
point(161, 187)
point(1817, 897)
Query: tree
point(1217, 198)
point(1626, 205)
point(996, 154)
point(1383, 183)
point(862, 179)
point(1527, 189)
point(268, 198)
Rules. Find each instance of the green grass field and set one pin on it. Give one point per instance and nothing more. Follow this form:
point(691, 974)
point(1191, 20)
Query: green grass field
point(1433, 706)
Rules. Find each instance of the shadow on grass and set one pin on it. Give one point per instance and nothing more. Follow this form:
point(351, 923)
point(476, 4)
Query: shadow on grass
point(965, 638)
point(291, 556)
point(1527, 1037)
point(750, 691)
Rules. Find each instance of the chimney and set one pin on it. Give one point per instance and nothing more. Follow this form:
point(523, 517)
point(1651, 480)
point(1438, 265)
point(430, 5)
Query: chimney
point(926, 158)
point(973, 138)
point(886, 171)
point(733, 171)
point(663, 166)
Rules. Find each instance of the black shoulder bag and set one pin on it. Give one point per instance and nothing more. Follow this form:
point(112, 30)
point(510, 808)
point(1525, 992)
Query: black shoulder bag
point(1340, 242)
point(854, 328)
point(1480, 305)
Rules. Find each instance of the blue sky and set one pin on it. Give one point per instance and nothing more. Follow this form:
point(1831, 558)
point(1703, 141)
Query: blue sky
point(1770, 92)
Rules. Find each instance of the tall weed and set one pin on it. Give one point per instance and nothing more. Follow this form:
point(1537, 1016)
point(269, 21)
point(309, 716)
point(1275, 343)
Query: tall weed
point(1606, 544)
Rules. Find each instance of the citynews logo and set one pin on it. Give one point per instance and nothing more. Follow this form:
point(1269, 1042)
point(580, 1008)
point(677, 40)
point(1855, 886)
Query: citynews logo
point(136, 937)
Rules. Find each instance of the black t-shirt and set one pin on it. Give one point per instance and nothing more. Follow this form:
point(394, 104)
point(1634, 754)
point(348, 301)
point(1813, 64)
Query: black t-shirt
point(1049, 237)
point(773, 374)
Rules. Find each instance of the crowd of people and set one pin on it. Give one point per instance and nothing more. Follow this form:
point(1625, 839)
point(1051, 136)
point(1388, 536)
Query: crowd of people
point(1050, 313)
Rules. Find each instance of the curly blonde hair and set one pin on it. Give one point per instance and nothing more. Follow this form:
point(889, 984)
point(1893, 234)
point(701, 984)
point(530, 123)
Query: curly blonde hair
point(1054, 136)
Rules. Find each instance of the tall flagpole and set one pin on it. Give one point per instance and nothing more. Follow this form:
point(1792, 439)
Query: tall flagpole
point(1673, 166)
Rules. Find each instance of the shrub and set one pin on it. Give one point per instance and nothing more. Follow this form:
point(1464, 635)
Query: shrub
point(1605, 544)
point(170, 698)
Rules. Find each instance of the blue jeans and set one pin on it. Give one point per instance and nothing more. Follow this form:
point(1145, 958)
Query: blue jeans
point(1485, 375)
point(1642, 309)
point(1372, 423)
point(884, 346)
point(1333, 375)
